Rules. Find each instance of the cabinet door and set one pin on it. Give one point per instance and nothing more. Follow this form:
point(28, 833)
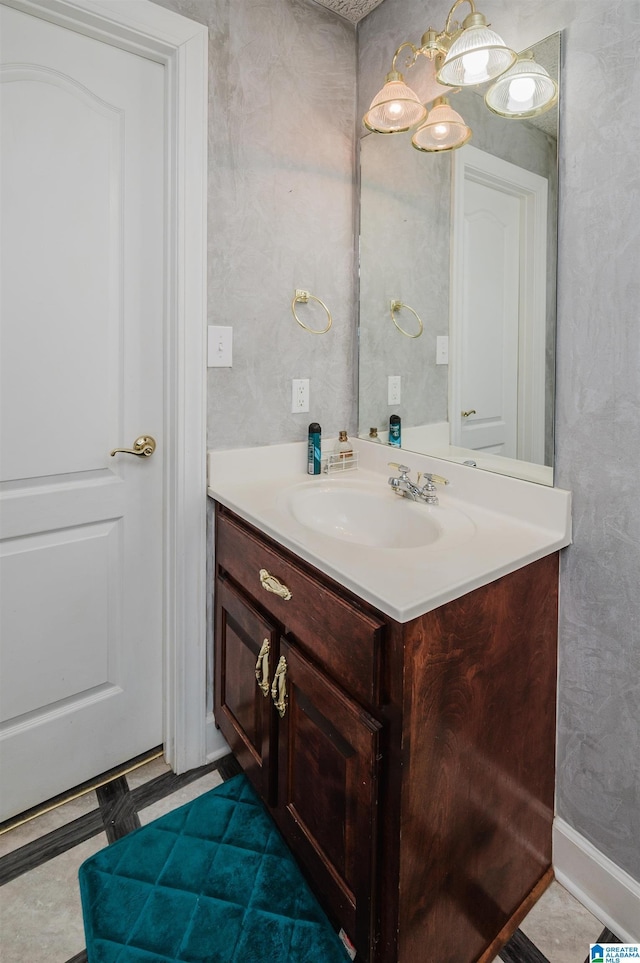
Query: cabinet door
point(327, 791)
point(244, 653)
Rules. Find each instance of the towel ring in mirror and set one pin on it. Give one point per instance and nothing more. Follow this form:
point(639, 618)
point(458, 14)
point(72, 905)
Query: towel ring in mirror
point(396, 306)
point(303, 297)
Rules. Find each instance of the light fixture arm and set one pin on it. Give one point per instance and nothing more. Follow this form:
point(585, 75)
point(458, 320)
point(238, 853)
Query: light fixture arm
point(434, 44)
point(410, 61)
point(447, 26)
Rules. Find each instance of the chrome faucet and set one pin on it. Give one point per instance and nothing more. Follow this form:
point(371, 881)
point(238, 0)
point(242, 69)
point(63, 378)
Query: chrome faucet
point(403, 485)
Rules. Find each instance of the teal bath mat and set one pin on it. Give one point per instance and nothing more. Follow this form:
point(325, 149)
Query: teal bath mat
point(211, 882)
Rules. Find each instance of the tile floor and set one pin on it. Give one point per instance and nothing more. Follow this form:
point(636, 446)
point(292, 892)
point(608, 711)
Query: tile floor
point(40, 915)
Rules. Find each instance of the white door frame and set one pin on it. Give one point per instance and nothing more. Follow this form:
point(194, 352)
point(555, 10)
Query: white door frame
point(531, 189)
point(181, 46)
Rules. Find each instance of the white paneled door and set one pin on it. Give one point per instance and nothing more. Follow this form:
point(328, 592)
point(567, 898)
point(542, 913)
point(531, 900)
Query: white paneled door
point(498, 307)
point(81, 551)
point(488, 403)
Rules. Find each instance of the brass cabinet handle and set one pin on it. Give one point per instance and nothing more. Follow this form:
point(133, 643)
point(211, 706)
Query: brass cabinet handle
point(262, 668)
point(279, 687)
point(143, 446)
point(471, 411)
point(271, 584)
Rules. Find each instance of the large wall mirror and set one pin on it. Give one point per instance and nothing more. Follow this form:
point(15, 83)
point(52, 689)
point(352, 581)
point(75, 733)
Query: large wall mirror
point(458, 253)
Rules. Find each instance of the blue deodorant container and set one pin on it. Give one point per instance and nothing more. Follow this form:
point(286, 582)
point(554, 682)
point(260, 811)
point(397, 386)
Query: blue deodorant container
point(395, 438)
point(313, 449)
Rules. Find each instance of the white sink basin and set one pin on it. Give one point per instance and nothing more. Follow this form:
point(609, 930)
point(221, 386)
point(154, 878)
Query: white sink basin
point(405, 558)
point(370, 515)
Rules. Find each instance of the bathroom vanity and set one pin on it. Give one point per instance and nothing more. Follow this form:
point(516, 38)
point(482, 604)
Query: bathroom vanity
point(407, 760)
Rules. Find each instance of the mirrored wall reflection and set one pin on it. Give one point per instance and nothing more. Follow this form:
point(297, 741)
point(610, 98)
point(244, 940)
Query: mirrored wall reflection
point(466, 240)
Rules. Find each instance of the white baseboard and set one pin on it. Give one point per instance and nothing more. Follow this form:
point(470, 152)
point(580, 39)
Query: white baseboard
point(611, 894)
point(216, 744)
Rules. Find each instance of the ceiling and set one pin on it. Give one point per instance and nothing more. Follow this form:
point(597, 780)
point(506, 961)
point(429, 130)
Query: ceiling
point(353, 10)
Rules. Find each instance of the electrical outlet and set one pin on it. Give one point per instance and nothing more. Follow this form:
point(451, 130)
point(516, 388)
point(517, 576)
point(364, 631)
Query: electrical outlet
point(442, 349)
point(393, 390)
point(299, 395)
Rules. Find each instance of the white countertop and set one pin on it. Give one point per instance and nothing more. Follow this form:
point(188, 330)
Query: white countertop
point(513, 522)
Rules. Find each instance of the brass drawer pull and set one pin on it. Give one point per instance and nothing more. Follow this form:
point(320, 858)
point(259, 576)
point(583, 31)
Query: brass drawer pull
point(279, 687)
point(262, 668)
point(271, 584)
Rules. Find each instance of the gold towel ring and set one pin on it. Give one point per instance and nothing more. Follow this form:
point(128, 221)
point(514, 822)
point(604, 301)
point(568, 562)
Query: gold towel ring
point(303, 297)
point(395, 306)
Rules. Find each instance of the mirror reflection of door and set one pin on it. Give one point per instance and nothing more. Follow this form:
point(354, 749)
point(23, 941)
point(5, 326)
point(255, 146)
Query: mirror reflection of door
point(498, 297)
point(485, 418)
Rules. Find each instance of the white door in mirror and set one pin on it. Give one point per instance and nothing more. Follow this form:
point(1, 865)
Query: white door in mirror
point(490, 310)
point(498, 315)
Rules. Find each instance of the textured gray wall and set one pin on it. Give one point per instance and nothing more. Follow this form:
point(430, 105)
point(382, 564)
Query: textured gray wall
point(598, 430)
point(598, 383)
point(404, 256)
point(281, 213)
point(281, 207)
point(280, 216)
point(598, 417)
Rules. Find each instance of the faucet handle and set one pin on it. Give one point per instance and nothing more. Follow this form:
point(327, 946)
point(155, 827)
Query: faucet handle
point(431, 478)
point(403, 469)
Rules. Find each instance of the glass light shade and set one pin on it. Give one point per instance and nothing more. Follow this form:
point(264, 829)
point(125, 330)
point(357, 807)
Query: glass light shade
point(525, 90)
point(395, 108)
point(478, 55)
point(444, 130)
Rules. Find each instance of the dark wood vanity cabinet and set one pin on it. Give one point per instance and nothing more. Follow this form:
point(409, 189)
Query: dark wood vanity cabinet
point(317, 764)
point(410, 766)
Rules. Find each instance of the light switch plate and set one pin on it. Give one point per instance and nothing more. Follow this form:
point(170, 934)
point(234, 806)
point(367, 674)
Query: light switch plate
point(442, 349)
point(219, 346)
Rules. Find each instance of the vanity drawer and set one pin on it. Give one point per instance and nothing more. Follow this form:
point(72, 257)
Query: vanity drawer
point(329, 628)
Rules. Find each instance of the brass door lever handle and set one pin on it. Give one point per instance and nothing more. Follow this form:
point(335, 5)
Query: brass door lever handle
point(143, 446)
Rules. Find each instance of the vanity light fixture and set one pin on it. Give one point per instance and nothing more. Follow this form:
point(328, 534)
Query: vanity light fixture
point(464, 55)
point(477, 54)
point(444, 129)
point(525, 90)
point(396, 107)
